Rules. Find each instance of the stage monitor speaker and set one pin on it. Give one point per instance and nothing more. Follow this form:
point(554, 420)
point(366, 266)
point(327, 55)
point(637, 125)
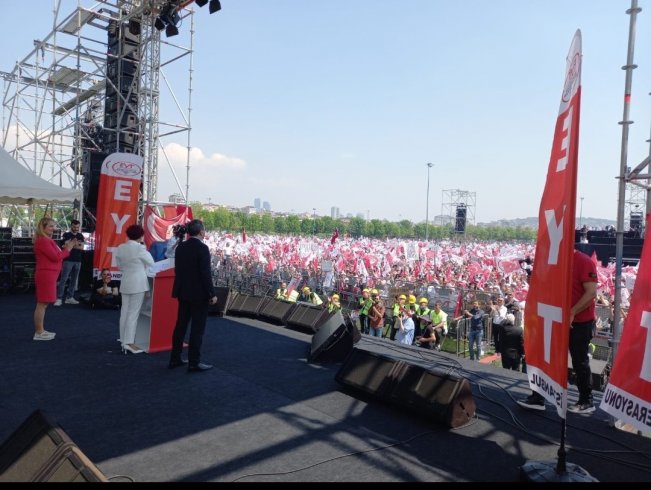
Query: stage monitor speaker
point(277, 311)
point(334, 339)
point(307, 316)
point(92, 169)
point(223, 301)
point(436, 394)
point(460, 221)
point(252, 304)
point(600, 370)
point(40, 451)
point(235, 308)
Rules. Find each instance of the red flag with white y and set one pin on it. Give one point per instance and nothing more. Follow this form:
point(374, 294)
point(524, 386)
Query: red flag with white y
point(243, 235)
point(335, 235)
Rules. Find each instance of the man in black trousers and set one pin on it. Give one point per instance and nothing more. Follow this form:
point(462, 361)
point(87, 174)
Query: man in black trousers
point(194, 291)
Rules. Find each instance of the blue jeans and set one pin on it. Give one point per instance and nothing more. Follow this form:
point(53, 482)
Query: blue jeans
point(475, 337)
point(376, 332)
point(69, 270)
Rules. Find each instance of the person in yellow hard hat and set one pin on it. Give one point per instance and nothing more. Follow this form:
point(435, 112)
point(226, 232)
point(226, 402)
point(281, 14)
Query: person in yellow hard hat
point(333, 303)
point(365, 304)
point(422, 317)
point(398, 306)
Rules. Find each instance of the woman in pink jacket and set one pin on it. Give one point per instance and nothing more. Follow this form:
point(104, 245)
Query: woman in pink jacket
point(48, 265)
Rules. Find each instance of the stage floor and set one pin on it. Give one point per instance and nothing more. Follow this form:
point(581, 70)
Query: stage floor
point(266, 414)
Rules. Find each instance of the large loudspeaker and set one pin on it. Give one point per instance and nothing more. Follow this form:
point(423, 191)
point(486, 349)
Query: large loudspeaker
point(235, 307)
point(334, 340)
point(277, 311)
point(223, 301)
point(92, 169)
point(437, 394)
point(635, 221)
point(307, 316)
point(40, 451)
point(460, 221)
point(251, 305)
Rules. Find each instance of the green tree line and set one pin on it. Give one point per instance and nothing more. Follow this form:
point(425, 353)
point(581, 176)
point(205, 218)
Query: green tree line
point(234, 221)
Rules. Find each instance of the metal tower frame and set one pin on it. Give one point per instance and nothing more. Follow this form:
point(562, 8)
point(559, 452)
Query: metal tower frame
point(53, 97)
point(451, 198)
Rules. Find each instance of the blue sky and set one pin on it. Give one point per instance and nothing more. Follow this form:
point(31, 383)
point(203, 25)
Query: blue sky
point(310, 104)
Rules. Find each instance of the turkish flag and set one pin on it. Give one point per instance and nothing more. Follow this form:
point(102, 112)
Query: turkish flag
point(335, 235)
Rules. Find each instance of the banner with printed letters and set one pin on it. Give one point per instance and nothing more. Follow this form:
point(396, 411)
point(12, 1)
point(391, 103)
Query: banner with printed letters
point(117, 206)
point(547, 310)
point(628, 394)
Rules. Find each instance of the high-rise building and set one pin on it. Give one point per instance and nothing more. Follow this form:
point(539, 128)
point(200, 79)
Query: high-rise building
point(266, 206)
point(256, 203)
point(334, 212)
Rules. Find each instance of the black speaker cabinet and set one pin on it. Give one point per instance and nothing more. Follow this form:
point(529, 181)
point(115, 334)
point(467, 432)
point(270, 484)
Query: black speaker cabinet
point(253, 304)
point(307, 316)
point(223, 301)
point(237, 301)
point(600, 373)
point(334, 340)
point(436, 394)
point(276, 311)
point(40, 451)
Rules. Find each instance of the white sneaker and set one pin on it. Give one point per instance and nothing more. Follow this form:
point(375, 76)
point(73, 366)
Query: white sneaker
point(57, 302)
point(44, 335)
point(72, 301)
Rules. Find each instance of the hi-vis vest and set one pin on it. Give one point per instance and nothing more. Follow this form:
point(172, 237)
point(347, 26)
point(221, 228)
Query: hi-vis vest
point(365, 306)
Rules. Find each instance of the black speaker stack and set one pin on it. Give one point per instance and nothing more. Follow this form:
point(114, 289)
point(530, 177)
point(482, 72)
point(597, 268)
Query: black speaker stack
point(306, 316)
point(460, 220)
point(121, 124)
point(224, 298)
point(334, 340)
point(277, 311)
point(436, 394)
point(40, 451)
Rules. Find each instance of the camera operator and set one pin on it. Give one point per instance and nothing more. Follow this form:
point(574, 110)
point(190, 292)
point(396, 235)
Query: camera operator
point(178, 234)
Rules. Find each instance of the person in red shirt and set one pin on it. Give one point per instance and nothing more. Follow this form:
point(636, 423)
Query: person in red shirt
point(582, 328)
point(49, 258)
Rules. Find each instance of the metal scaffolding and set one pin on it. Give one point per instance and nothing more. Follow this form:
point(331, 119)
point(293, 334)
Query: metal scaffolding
point(453, 199)
point(54, 98)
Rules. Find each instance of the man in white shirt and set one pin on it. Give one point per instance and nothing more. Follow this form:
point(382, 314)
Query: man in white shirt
point(498, 314)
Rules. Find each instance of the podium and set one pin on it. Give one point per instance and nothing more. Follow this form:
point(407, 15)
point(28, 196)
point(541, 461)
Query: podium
point(158, 314)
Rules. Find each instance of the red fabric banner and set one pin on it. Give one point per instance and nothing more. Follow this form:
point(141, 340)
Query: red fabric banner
point(547, 310)
point(159, 228)
point(117, 207)
point(628, 394)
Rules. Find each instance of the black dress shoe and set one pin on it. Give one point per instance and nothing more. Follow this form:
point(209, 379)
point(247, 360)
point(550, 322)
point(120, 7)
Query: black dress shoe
point(199, 367)
point(177, 363)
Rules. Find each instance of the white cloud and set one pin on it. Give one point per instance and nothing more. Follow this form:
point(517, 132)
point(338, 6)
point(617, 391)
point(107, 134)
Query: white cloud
point(177, 155)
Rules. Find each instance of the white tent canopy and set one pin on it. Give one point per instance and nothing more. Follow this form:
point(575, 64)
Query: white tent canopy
point(20, 186)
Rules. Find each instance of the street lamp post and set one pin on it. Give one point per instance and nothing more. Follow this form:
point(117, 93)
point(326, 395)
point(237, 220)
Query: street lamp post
point(429, 165)
point(581, 214)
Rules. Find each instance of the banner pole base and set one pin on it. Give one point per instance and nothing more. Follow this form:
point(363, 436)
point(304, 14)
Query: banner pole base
point(545, 471)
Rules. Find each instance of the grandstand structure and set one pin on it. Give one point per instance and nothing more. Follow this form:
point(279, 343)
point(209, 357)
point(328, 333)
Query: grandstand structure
point(94, 85)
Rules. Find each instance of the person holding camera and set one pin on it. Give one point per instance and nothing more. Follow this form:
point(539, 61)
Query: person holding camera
point(376, 315)
point(133, 259)
point(105, 292)
point(178, 233)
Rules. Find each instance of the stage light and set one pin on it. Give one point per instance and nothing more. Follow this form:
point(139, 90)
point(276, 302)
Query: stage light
point(201, 3)
point(214, 6)
point(171, 30)
point(159, 24)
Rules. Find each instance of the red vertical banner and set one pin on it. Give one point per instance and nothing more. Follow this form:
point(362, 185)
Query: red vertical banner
point(628, 394)
point(117, 206)
point(547, 310)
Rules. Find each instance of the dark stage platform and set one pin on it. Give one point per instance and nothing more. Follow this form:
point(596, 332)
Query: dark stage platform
point(266, 414)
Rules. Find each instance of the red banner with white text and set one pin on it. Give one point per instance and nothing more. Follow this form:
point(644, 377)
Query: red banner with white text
point(547, 310)
point(117, 206)
point(628, 394)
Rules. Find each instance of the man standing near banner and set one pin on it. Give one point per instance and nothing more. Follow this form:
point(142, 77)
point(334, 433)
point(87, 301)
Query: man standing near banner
point(582, 328)
point(194, 290)
point(71, 266)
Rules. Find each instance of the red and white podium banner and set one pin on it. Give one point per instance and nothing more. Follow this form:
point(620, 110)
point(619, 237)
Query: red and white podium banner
point(159, 228)
point(547, 310)
point(117, 207)
point(628, 394)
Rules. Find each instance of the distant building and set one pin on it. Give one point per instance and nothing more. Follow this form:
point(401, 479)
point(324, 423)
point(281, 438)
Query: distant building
point(361, 215)
point(176, 199)
point(334, 212)
point(249, 210)
point(256, 204)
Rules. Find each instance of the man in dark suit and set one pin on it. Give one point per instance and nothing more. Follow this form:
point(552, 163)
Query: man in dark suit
point(193, 288)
